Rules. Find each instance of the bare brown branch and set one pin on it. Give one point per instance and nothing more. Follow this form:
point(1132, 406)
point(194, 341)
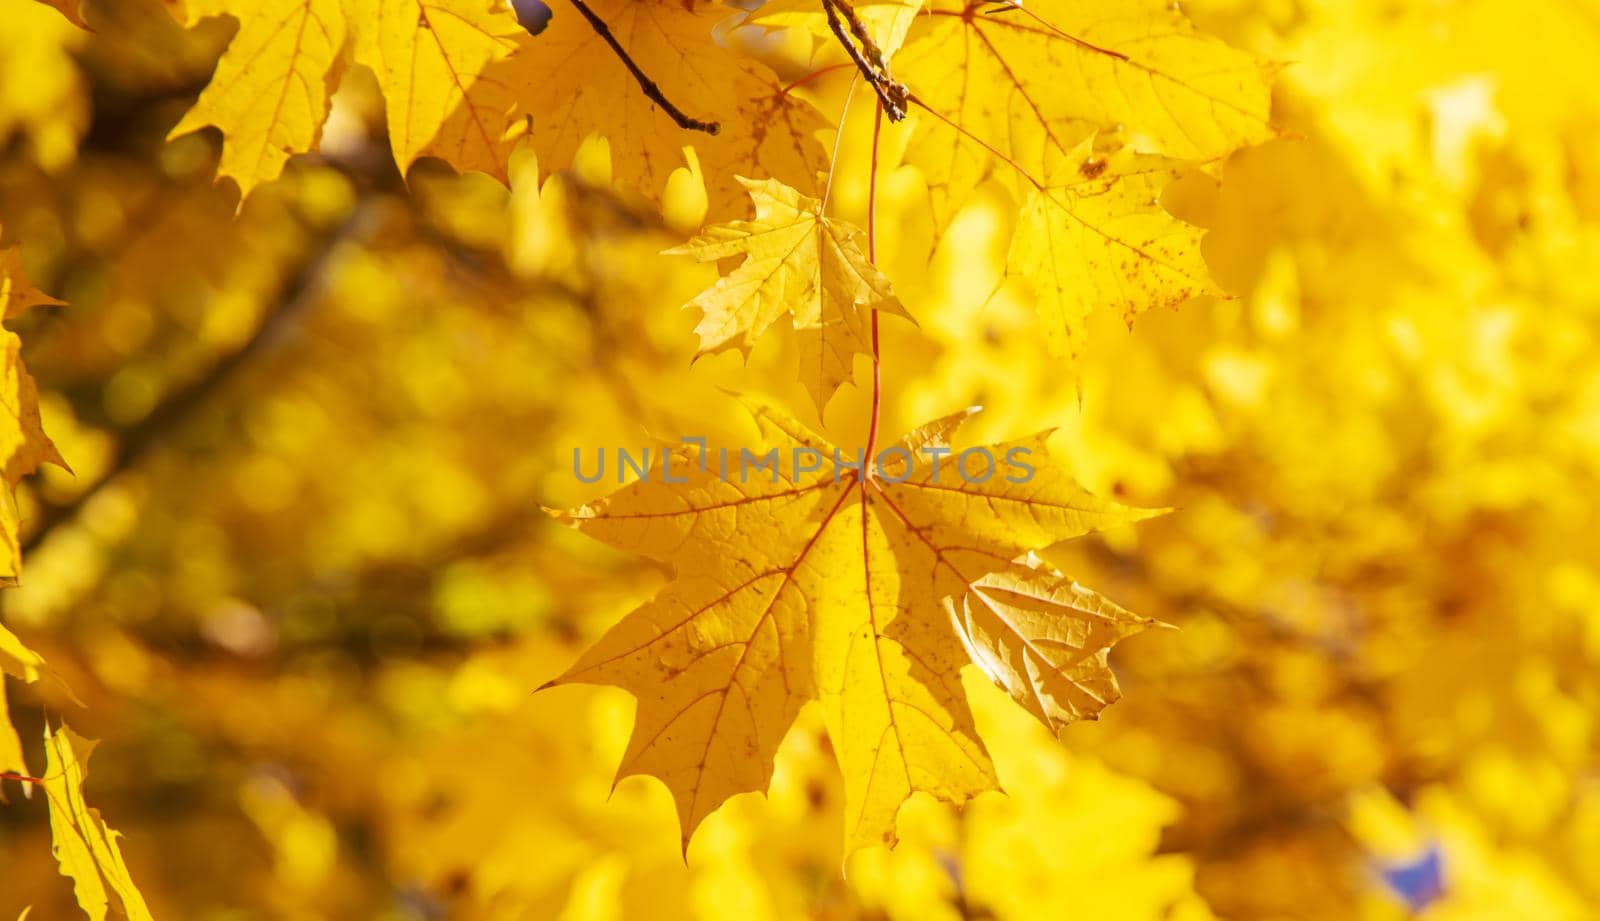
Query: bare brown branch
point(868, 58)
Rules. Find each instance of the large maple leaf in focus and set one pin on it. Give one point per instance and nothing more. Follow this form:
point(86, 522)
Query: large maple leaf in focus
point(867, 593)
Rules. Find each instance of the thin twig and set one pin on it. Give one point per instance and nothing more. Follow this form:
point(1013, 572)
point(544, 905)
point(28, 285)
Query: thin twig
point(892, 94)
point(645, 83)
point(869, 48)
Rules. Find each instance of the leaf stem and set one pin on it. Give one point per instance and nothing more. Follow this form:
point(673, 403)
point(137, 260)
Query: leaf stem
point(645, 83)
point(872, 257)
point(1032, 180)
point(1087, 46)
point(812, 76)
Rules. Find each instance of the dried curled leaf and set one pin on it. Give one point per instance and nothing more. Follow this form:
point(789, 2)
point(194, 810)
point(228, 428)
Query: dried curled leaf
point(1044, 639)
point(819, 584)
point(799, 262)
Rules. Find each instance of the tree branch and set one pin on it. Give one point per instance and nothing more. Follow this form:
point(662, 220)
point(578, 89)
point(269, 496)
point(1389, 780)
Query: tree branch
point(892, 94)
point(645, 83)
point(869, 48)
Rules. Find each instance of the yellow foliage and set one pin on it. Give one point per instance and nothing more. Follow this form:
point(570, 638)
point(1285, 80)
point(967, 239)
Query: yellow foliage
point(300, 580)
point(796, 261)
point(801, 579)
point(85, 846)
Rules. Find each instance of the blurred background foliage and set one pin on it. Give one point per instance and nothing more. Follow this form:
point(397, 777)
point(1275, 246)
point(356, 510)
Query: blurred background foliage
point(301, 586)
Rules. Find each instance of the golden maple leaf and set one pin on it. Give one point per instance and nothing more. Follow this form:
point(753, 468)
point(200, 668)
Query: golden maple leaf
point(1095, 235)
point(434, 60)
point(796, 261)
point(20, 662)
point(23, 443)
point(1023, 92)
point(272, 88)
point(1030, 82)
point(866, 592)
point(575, 86)
point(85, 847)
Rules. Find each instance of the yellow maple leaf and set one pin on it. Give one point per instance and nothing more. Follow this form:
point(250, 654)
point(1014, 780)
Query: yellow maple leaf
point(575, 86)
point(796, 583)
point(23, 443)
point(799, 262)
point(84, 846)
point(431, 58)
point(17, 293)
point(11, 759)
point(1095, 235)
point(272, 88)
point(1029, 82)
point(18, 661)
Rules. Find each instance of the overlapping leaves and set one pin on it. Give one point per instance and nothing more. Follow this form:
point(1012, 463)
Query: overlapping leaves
point(272, 88)
point(1030, 82)
point(85, 848)
point(867, 592)
point(862, 592)
point(1020, 92)
point(462, 80)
